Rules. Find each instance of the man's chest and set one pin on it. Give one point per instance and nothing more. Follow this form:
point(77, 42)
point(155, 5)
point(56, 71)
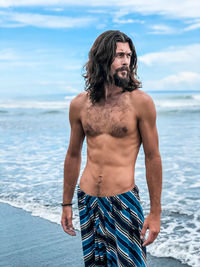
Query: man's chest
point(117, 120)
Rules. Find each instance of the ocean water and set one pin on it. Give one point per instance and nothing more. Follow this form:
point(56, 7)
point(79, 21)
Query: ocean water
point(34, 136)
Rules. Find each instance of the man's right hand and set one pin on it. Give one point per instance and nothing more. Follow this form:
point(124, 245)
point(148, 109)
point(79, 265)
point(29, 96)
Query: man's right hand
point(66, 220)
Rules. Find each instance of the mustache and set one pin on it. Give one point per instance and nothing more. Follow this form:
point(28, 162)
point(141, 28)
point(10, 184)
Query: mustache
point(122, 68)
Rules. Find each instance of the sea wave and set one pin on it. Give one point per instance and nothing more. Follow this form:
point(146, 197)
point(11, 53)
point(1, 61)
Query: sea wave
point(177, 111)
point(163, 102)
point(178, 103)
point(50, 212)
point(51, 112)
point(184, 96)
point(22, 104)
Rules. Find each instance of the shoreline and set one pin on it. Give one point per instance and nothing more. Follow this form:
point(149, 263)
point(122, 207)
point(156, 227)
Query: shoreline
point(31, 241)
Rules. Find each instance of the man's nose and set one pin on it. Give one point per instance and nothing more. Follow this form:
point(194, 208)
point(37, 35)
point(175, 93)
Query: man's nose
point(125, 61)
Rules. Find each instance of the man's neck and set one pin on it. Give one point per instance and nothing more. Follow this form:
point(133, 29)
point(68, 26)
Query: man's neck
point(112, 91)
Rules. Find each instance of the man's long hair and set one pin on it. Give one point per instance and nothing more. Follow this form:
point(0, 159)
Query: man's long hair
point(101, 56)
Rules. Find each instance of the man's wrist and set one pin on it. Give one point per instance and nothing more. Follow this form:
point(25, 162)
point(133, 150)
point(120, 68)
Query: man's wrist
point(156, 211)
point(66, 204)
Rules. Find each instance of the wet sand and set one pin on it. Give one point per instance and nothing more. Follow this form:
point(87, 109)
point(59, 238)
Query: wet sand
point(28, 241)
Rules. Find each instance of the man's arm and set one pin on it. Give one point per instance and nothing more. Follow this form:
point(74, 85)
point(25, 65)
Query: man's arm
point(149, 135)
point(72, 163)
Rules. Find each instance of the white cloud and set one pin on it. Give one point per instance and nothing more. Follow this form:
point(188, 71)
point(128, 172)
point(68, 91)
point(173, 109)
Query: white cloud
point(52, 82)
point(97, 11)
point(182, 64)
point(186, 76)
point(194, 26)
point(11, 25)
point(162, 29)
point(179, 81)
point(55, 9)
point(117, 17)
point(22, 64)
point(73, 67)
point(8, 55)
point(127, 21)
point(173, 8)
point(186, 54)
point(61, 85)
point(42, 21)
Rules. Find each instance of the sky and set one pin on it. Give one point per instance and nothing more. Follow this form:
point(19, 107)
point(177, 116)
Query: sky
point(44, 44)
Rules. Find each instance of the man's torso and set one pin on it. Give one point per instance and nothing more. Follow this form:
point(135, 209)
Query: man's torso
point(113, 142)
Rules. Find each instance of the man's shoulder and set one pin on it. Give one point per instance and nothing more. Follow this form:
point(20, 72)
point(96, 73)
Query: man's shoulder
point(140, 96)
point(142, 101)
point(76, 106)
point(78, 101)
point(80, 97)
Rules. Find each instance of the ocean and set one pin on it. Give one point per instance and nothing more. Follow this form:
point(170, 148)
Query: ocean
point(34, 137)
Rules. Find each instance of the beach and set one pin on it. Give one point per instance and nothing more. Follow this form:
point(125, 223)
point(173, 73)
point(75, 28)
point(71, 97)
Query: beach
point(34, 137)
point(30, 241)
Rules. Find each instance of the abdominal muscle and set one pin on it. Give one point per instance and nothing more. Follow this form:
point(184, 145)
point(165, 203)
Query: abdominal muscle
point(110, 166)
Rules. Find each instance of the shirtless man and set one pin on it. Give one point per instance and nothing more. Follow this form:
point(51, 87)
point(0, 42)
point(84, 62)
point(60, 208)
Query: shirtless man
point(116, 117)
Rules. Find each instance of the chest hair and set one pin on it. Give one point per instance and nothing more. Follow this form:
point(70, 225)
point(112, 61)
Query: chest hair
point(110, 118)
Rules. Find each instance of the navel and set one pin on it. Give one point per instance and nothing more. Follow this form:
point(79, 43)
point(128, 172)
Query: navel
point(100, 180)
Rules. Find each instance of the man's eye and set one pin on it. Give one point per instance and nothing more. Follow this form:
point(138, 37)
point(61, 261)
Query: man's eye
point(122, 55)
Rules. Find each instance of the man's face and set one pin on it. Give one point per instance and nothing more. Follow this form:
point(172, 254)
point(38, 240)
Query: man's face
point(120, 67)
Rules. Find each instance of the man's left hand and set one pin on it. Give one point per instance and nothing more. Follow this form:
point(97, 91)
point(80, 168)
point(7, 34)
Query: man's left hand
point(152, 222)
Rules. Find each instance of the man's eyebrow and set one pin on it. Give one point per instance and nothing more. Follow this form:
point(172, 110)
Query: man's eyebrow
point(122, 52)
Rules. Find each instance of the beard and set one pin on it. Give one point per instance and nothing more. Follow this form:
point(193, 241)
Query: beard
point(122, 82)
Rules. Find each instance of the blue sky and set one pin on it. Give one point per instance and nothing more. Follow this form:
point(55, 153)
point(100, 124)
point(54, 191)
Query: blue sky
point(45, 43)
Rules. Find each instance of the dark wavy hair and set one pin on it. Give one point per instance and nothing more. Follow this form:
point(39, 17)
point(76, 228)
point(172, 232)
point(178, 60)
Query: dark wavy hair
point(101, 56)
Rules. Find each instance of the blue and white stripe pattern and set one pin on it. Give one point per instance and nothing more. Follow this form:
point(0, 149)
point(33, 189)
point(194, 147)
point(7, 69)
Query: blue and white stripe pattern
point(110, 229)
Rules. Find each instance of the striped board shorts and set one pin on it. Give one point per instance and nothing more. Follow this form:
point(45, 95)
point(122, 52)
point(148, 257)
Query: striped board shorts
point(110, 229)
